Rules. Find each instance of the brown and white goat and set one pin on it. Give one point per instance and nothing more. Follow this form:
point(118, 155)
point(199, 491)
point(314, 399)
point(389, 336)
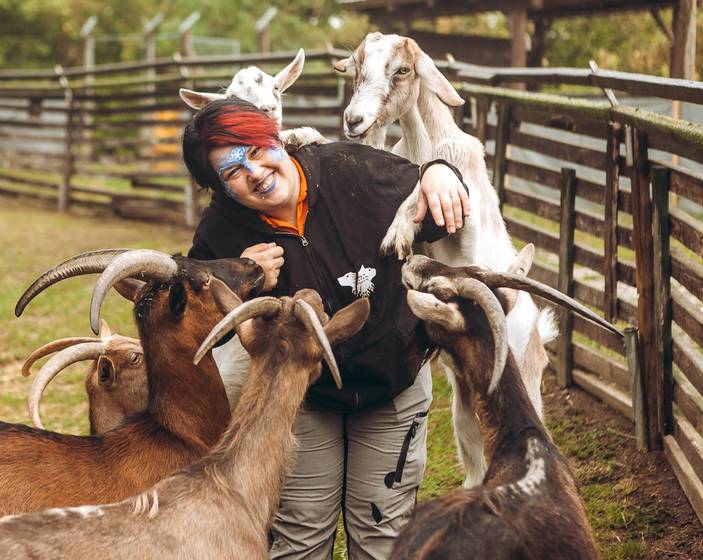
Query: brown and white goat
point(396, 80)
point(187, 410)
point(223, 505)
point(116, 383)
point(528, 506)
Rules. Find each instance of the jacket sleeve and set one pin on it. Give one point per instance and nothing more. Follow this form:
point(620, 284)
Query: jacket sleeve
point(200, 249)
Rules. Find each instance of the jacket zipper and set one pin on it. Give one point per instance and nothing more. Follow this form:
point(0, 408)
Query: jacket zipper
point(313, 265)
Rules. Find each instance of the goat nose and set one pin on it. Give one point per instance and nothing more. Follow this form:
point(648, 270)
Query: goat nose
point(353, 119)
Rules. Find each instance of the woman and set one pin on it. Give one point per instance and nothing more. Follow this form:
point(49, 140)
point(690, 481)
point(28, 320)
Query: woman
point(315, 219)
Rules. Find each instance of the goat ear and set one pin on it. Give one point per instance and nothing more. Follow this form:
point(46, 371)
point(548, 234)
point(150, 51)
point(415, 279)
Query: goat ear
point(129, 288)
point(428, 308)
point(105, 331)
point(197, 100)
point(225, 299)
point(436, 82)
point(523, 261)
point(177, 299)
point(286, 77)
point(343, 65)
point(347, 321)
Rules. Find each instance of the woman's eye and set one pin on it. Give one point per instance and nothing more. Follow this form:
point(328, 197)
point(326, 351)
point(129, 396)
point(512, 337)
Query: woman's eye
point(255, 152)
point(233, 172)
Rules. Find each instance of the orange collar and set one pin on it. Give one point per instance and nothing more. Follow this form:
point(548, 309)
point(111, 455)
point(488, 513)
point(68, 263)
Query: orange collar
point(301, 209)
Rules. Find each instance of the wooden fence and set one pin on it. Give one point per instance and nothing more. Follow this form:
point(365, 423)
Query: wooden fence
point(598, 188)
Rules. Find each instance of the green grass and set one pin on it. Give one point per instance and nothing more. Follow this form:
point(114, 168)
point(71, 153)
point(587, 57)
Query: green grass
point(36, 238)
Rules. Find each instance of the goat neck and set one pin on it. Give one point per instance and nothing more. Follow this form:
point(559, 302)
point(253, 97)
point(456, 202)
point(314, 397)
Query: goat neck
point(281, 369)
point(415, 143)
point(436, 116)
point(190, 401)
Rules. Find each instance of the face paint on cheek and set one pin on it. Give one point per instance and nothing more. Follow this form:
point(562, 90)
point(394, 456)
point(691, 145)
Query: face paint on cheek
point(276, 153)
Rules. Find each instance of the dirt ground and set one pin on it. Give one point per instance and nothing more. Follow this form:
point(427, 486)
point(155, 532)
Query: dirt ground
point(656, 517)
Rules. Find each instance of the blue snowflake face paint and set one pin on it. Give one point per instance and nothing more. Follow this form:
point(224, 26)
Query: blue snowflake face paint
point(236, 159)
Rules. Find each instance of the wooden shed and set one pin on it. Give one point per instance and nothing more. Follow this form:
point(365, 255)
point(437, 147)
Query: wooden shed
point(526, 47)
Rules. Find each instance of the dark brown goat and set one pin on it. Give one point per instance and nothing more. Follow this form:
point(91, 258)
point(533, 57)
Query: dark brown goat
point(528, 506)
point(188, 408)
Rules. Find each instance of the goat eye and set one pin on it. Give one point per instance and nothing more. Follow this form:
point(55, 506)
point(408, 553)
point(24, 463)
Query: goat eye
point(402, 71)
point(135, 358)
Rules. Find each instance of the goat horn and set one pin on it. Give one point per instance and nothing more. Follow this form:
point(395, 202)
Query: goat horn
point(144, 263)
point(57, 363)
point(254, 308)
point(50, 348)
point(85, 263)
point(477, 291)
point(518, 282)
point(306, 315)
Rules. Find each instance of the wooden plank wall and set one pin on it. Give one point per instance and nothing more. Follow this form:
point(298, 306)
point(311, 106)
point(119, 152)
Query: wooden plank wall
point(637, 260)
point(115, 144)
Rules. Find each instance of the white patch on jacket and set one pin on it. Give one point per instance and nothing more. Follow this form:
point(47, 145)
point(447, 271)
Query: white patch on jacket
point(360, 282)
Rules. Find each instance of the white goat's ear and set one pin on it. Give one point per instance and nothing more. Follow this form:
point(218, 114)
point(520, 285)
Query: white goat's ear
point(343, 65)
point(436, 82)
point(523, 261)
point(428, 308)
point(197, 100)
point(105, 331)
point(286, 77)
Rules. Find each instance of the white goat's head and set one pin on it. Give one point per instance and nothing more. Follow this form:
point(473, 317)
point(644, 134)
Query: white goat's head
point(389, 72)
point(255, 86)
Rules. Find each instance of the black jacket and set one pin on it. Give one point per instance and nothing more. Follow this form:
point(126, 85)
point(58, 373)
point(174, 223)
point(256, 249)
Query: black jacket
point(353, 194)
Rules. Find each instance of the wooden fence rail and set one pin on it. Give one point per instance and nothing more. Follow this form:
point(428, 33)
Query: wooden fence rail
point(590, 185)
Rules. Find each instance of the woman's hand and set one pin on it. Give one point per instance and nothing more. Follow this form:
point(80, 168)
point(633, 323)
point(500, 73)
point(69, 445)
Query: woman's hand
point(268, 256)
point(445, 196)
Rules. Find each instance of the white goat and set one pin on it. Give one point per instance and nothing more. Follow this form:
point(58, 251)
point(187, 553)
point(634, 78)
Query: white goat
point(396, 80)
point(263, 91)
point(255, 86)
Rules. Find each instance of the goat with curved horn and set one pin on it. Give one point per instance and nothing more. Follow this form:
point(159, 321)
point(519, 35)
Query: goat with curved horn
point(85, 263)
point(420, 270)
point(116, 382)
point(146, 264)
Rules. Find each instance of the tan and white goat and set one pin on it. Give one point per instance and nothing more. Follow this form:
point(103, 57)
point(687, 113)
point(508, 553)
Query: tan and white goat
point(222, 506)
point(396, 80)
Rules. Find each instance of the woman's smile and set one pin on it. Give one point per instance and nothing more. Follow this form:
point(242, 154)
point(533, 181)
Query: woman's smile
point(266, 185)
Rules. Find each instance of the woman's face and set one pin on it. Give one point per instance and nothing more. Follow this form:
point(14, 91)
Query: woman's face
point(263, 179)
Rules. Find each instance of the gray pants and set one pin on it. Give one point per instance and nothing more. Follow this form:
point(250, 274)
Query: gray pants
point(367, 466)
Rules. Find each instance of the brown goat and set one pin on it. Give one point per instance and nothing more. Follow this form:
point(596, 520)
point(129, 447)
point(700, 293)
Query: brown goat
point(223, 505)
point(188, 408)
point(528, 506)
point(116, 383)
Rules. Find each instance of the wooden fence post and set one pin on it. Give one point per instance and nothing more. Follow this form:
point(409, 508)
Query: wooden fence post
point(661, 181)
point(64, 194)
point(482, 108)
point(500, 159)
point(612, 180)
point(634, 362)
point(566, 276)
point(642, 238)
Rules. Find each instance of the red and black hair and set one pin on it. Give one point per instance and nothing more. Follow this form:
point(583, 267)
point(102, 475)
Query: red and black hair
point(227, 122)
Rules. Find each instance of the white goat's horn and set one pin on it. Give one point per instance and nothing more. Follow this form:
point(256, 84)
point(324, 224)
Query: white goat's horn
point(519, 282)
point(85, 263)
point(480, 293)
point(57, 363)
point(50, 348)
point(306, 315)
point(143, 264)
point(257, 307)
